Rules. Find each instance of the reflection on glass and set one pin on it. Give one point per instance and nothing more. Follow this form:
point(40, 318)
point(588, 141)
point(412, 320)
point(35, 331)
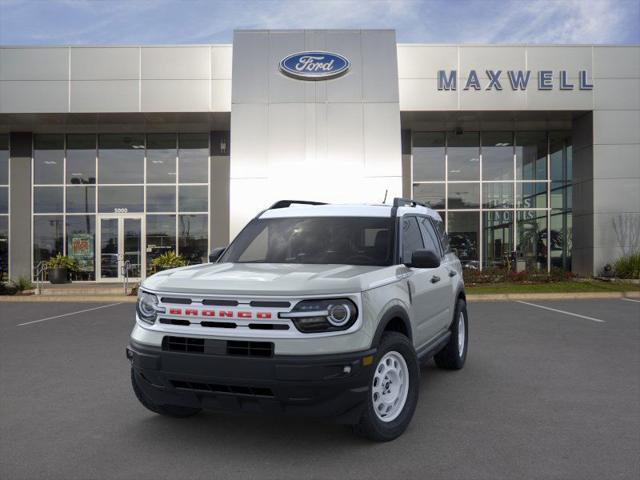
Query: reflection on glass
point(132, 243)
point(464, 195)
point(81, 242)
point(433, 194)
point(81, 199)
point(161, 199)
point(428, 157)
point(560, 156)
point(497, 195)
point(531, 249)
point(193, 157)
point(497, 156)
point(561, 195)
point(109, 248)
point(4, 247)
point(121, 158)
point(4, 199)
point(193, 238)
point(81, 159)
point(531, 195)
point(561, 239)
point(161, 237)
point(161, 158)
point(48, 159)
point(531, 155)
point(4, 159)
point(47, 199)
point(464, 233)
point(498, 238)
point(47, 237)
point(463, 154)
point(193, 198)
point(121, 199)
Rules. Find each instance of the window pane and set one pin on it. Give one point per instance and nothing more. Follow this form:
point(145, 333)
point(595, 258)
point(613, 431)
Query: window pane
point(428, 157)
point(429, 236)
point(4, 159)
point(194, 235)
point(433, 194)
point(81, 199)
point(194, 158)
point(559, 153)
point(464, 232)
point(47, 199)
point(4, 247)
point(531, 250)
point(81, 159)
point(498, 237)
point(497, 156)
point(411, 238)
point(531, 155)
point(4, 199)
point(531, 195)
point(48, 159)
point(81, 244)
point(112, 198)
point(560, 195)
point(47, 237)
point(161, 237)
point(161, 158)
point(121, 159)
point(161, 199)
point(497, 195)
point(193, 199)
point(464, 195)
point(561, 239)
point(463, 153)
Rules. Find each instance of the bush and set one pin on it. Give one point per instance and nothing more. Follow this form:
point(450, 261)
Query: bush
point(500, 275)
point(62, 261)
point(23, 283)
point(168, 260)
point(628, 266)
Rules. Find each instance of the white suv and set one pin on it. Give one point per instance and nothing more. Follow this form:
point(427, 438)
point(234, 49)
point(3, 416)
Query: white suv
point(314, 309)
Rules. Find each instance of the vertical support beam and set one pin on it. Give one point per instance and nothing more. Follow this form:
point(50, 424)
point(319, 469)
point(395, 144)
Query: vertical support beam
point(20, 153)
point(407, 186)
point(582, 191)
point(219, 189)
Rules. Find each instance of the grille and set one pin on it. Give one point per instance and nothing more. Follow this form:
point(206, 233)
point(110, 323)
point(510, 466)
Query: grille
point(221, 303)
point(217, 347)
point(257, 303)
point(178, 301)
point(249, 349)
point(216, 388)
point(183, 344)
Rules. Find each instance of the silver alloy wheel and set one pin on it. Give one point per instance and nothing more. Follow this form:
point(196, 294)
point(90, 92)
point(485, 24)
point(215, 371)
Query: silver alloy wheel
point(390, 387)
point(461, 334)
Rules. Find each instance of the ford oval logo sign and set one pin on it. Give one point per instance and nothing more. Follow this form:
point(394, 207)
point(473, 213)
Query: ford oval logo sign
point(314, 65)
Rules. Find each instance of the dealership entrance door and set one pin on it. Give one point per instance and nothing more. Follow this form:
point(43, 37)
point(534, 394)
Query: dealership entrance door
point(120, 247)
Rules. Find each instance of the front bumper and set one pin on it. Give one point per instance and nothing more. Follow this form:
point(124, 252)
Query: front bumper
point(311, 385)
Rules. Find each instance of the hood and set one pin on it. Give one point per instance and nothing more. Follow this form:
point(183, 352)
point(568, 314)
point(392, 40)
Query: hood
point(265, 279)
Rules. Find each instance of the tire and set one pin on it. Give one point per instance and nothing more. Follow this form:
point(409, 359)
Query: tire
point(397, 353)
point(166, 410)
point(454, 354)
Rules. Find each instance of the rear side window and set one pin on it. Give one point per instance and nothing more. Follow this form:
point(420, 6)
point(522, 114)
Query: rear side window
point(411, 238)
point(442, 233)
point(430, 237)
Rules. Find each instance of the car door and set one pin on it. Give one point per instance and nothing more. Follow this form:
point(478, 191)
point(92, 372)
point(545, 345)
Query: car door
point(421, 282)
point(443, 289)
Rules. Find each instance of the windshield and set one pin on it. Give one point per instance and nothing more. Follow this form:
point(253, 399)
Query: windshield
point(341, 240)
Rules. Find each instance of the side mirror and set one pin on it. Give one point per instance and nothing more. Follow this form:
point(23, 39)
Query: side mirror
point(424, 259)
point(216, 253)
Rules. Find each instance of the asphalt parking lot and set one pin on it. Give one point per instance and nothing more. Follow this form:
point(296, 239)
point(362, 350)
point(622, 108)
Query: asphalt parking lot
point(548, 392)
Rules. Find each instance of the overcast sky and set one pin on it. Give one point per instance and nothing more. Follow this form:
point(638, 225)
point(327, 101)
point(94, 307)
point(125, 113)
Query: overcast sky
point(213, 21)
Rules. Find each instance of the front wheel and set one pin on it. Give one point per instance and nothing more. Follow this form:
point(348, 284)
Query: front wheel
point(454, 354)
point(393, 390)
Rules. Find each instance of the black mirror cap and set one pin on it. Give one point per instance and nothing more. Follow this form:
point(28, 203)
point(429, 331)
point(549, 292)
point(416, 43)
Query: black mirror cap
point(216, 253)
point(424, 259)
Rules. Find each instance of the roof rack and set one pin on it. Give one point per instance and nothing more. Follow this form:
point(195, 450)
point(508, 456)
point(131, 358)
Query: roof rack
point(404, 202)
point(288, 203)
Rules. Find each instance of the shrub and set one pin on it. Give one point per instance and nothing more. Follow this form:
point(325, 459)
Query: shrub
point(168, 260)
point(499, 275)
point(628, 266)
point(62, 261)
point(23, 283)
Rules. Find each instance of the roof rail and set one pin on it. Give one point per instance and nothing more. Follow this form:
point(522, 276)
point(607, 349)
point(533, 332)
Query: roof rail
point(288, 203)
point(403, 202)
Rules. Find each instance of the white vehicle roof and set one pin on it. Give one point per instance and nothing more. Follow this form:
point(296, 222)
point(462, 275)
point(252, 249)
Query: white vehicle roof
point(346, 210)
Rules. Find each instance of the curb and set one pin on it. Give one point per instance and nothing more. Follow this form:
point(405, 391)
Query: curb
point(68, 298)
point(502, 297)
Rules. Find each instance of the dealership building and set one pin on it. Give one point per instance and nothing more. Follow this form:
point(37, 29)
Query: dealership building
point(114, 154)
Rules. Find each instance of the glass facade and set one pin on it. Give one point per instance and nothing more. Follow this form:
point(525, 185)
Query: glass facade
point(4, 206)
point(505, 196)
point(111, 198)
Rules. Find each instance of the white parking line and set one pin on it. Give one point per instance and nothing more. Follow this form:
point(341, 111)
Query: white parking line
point(562, 311)
point(630, 300)
point(67, 314)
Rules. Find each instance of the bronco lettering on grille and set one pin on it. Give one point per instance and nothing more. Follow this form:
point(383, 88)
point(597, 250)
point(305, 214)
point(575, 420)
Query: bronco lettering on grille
point(192, 312)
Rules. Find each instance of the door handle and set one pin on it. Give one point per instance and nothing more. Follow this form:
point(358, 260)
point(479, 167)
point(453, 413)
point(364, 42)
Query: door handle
point(452, 273)
point(435, 279)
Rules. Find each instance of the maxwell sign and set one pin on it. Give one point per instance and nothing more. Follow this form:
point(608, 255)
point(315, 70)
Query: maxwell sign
point(314, 65)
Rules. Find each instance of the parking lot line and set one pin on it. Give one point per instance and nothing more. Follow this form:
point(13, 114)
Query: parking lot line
point(562, 311)
point(630, 300)
point(68, 314)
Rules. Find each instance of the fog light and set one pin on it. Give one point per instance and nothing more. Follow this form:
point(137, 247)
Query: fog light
point(368, 360)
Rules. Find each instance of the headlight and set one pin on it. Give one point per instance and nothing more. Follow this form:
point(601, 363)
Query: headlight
point(331, 315)
point(147, 307)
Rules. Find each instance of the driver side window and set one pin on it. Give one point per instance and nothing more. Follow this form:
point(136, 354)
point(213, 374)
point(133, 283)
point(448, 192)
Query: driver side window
point(411, 238)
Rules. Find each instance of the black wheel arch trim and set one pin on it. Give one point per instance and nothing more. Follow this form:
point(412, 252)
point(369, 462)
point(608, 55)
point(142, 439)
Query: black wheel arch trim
point(460, 295)
point(394, 312)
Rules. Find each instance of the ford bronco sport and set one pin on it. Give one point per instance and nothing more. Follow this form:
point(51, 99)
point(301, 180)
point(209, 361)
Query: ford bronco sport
point(314, 309)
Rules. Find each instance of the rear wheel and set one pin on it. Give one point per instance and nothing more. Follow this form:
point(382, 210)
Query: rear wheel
point(393, 390)
point(454, 354)
point(167, 410)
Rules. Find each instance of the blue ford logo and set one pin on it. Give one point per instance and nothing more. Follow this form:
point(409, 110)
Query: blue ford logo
point(314, 65)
